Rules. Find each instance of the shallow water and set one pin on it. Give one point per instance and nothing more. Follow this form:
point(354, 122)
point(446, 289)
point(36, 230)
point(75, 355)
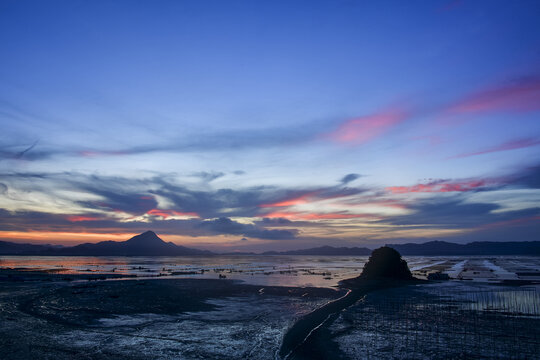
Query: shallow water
point(319, 271)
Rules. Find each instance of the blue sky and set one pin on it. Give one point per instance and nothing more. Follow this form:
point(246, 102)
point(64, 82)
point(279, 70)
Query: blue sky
point(231, 124)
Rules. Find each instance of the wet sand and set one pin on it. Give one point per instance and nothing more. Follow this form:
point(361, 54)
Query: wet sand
point(49, 315)
point(307, 338)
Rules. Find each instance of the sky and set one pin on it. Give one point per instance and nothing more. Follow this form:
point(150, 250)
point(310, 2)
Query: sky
point(270, 125)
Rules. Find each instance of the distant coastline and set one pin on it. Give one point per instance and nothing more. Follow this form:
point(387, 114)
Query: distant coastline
point(149, 244)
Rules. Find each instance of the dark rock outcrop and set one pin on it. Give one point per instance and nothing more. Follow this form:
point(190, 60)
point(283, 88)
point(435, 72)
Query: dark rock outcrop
point(386, 262)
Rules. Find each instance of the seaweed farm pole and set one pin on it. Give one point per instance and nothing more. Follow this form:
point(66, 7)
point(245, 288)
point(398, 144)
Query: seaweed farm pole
point(416, 327)
point(492, 337)
point(437, 324)
point(406, 325)
point(478, 336)
point(514, 333)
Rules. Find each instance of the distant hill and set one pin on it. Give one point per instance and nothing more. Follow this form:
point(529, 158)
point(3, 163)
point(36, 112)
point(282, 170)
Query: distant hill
point(10, 248)
point(232, 253)
point(324, 250)
point(433, 248)
point(149, 244)
point(145, 244)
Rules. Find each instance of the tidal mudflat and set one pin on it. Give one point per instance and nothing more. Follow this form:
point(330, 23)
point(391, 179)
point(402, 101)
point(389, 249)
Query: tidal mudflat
point(161, 319)
point(444, 320)
point(60, 313)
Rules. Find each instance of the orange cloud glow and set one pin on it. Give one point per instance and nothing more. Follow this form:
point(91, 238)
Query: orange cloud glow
point(61, 237)
point(76, 218)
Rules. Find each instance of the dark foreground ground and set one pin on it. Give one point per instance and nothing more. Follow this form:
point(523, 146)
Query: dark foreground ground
point(44, 316)
point(49, 316)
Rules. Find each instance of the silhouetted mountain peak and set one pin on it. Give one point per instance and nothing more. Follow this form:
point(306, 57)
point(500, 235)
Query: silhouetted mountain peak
point(145, 244)
point(146, 238)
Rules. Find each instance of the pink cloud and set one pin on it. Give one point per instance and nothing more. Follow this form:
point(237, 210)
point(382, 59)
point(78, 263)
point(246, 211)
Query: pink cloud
point(439, 186)
point(509, 145)
point(519, 95)
point(77, 218)
point(512, 222)
point(290, 202)
point(316, 216)
point(365, 128)
point(309, 197)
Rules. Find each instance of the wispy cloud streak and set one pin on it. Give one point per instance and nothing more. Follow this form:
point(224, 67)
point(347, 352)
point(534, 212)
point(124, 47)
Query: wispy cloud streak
point(165, 214)
point(365, 128)
point(293, 215)
point(508, 145)
point(439, 186)
point(519, 95)
point(298, 200)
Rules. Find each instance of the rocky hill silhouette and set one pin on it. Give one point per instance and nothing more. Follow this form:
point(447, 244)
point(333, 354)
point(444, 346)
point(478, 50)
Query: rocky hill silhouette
point(386, 262)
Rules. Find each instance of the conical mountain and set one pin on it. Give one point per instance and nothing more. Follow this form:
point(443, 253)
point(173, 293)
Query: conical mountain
point(148, 238)
point(145, 244)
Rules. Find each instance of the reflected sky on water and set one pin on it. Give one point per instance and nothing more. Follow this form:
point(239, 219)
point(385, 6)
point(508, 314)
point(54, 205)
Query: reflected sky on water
point(320, 271)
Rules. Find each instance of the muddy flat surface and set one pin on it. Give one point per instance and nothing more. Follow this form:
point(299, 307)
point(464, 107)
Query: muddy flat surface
point(446, 320)
point(48, 315)
point(47, 318)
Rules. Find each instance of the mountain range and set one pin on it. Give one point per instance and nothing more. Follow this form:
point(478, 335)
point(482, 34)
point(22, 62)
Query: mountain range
point(474, 248)
point(145, 244)
point(149, 244)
